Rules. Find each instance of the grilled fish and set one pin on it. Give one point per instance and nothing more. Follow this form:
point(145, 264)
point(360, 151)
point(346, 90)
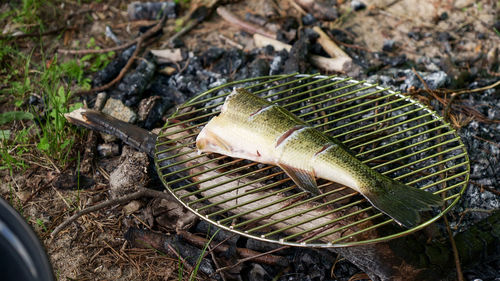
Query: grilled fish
point(253, 128)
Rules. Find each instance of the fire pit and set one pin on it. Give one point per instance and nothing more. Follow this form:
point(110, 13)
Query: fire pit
point(392, 133)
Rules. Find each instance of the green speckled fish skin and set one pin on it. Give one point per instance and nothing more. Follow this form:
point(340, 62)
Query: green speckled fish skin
point(253, 128)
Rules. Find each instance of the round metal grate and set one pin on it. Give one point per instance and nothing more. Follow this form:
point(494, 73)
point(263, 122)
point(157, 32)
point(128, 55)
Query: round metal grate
point(392, 133)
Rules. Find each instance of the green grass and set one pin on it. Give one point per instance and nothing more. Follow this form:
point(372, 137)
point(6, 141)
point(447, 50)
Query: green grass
point(29, 133)
point(194, 273)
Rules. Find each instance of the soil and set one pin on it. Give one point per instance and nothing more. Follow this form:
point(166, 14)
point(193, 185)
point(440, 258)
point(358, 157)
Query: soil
point(94, 247)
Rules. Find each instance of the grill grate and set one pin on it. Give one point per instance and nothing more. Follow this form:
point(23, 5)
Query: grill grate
point(392, 133)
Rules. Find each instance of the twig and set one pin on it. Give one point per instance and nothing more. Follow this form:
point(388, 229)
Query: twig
point(231, 42)
point(217, 266)
point(117, 78)
point(240, 261)
point(117, 201)
point(141, 38)
point(496, 84)
point(297, 7)
point(184, 262)
point(328, 45)
point(460, 276)
point(243, 252)
point(181, 32)
point(246, 26)
point(34, 34)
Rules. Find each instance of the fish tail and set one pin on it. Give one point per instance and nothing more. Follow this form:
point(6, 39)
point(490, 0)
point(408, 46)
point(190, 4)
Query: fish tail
point(401, 202)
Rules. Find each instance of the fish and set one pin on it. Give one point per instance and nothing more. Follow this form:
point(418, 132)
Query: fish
point(253, 128)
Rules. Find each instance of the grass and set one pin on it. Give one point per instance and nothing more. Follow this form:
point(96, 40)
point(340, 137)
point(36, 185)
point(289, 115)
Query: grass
point(40, 131)
point(194, 273)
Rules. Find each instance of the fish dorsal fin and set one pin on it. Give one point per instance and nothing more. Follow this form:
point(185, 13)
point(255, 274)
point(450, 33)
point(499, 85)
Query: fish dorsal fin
point(303, 179)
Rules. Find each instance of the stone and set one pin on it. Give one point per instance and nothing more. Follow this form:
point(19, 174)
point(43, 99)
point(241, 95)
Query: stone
point(132, 207)
point(117, 109)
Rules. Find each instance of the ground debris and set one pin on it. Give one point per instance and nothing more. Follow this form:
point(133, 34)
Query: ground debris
point(131, 174)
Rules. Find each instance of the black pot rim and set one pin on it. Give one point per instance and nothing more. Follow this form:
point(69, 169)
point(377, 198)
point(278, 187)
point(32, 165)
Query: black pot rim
point(24, 243)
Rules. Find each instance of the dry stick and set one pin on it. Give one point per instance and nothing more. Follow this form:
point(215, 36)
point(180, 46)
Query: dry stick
point(117, 78)
point(34, 34)
point(328, 45)
point(240, 261)
point(297, 7)
point(147, 34)
point(460, 276)
point(117, 201)
point(496, 84)
point(246, 253)
point(217, 266)
point(186, 264)
point(181, 32)
point(339, 64)
point(248, 27)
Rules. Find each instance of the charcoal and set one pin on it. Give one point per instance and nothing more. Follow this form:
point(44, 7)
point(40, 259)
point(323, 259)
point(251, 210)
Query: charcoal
point(151, 110)
point(344, 270)
point(259, 67)
point(433, 80)
point(341, 35)
point(108, 149)
point(113, 68)
point(278, 63)
point(389, 45)
point(444, 36)
point(132, 86)
point(443, 16)
point(395, 60)
point(415, 35)
point(195, 65)
point(230, 62)
point(357, 5)
point(261, 246)
point(211, 55)
point(299, 54)
point(309, 19)
point(151, 10)
point(177, 43)
point(222, 235)
point(290, 23)
point(188, 85)
point(159, 87)
point(311, 264)
point(481, 36)
point(34, 100)
point(257, 273)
